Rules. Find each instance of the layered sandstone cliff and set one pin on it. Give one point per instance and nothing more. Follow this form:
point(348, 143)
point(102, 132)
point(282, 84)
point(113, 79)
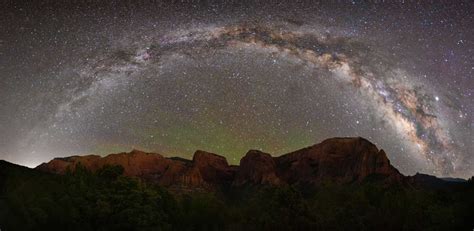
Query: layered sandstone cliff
point(339, 160)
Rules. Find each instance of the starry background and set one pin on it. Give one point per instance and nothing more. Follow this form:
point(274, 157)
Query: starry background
point(228, 77)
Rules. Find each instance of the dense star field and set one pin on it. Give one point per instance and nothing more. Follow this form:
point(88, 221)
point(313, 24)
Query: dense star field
point(173, 78)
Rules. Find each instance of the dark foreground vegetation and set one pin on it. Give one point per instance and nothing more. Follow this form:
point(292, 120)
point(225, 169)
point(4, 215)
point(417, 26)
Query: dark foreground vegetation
point(106, 200)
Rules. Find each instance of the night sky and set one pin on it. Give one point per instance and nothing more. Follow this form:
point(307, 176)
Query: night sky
point(173, 78)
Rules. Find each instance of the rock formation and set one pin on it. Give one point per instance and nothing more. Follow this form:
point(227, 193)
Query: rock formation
point(339, 160)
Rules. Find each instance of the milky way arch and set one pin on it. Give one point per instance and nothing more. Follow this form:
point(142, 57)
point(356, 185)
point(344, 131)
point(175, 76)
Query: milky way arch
point(403, 105)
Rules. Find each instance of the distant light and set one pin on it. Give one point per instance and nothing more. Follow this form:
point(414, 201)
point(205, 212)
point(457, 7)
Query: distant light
point(436, 98)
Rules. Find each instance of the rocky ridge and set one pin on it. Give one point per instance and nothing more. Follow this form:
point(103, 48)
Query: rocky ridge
point(339, 160)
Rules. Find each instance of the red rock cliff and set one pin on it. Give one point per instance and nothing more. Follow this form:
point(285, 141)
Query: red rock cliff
point(339, 160)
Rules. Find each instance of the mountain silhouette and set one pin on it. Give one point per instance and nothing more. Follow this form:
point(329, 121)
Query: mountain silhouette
point(339, 160)
point(338, 184)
